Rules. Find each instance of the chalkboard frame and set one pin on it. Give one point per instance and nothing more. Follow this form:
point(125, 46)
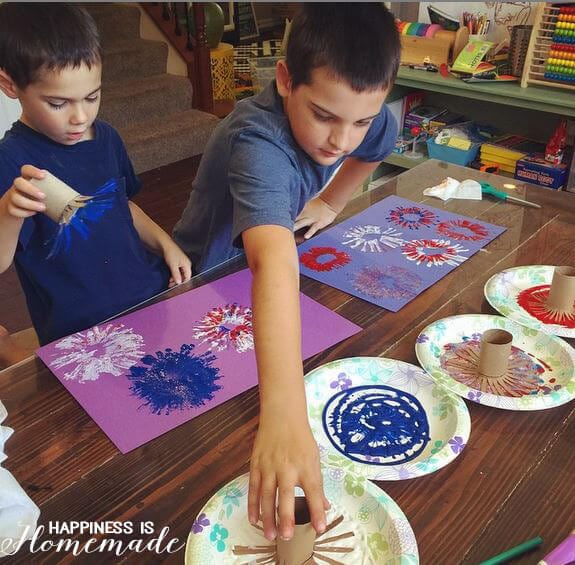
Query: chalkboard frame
point(246, 21)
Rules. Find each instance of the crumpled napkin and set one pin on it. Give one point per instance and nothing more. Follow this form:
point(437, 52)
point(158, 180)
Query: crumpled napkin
point(450, 188)
point(18, 513)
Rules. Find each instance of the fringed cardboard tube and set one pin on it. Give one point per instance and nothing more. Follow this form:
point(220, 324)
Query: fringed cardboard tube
point(298, 550)
point(494, 353)
point(61, 201)
point(562, 292)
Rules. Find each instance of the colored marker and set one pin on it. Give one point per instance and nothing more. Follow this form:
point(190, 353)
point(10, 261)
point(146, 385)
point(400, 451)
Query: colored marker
point(563, 554)
point(514, 552)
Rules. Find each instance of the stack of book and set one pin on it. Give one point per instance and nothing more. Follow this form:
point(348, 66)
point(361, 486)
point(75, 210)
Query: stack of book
point(507, 150)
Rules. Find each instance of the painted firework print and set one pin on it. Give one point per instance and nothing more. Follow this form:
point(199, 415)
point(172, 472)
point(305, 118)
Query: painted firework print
point(147, 372)
point(393, 251)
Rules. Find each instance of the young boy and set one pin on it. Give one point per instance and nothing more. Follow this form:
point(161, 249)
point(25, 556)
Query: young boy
point(50, 60)
point(258, 182)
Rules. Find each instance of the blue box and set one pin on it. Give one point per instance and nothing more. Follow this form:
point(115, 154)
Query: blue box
point(536, 170)
point(452, 154)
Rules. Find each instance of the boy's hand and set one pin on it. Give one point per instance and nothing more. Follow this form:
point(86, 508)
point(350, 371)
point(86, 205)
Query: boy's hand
point(285, 455)
point(179, 264)
point(316, 214)
point(23, 199)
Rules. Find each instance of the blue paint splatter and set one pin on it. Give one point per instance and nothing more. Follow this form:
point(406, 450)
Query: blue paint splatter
point(382, 422)
point(95, 207)
point(175, 380)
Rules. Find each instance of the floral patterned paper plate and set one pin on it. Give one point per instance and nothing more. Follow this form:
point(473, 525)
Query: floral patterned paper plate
point(384, 419)
point(519, 293)
point(370, 527)
point(541, 368)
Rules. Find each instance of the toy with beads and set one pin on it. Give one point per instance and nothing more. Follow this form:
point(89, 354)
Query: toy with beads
point(550, 58)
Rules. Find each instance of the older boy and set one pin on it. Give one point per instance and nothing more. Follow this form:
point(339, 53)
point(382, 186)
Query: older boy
point(265, 161)
point(50, 61)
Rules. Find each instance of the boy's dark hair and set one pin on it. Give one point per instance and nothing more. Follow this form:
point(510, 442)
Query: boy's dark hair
point(358, 42)
point(36, 37)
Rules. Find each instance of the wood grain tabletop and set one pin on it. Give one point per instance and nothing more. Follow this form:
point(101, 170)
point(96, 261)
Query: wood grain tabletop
point(513, 481)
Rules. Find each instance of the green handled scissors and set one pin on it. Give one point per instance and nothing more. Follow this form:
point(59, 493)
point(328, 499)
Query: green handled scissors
point(490, 190)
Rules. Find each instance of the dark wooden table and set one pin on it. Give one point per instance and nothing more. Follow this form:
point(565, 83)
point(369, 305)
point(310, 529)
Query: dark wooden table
point(513, 481)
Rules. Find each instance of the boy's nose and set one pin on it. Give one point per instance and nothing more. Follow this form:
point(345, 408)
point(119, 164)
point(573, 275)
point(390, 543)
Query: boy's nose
point(78, 116)
point(338, 138)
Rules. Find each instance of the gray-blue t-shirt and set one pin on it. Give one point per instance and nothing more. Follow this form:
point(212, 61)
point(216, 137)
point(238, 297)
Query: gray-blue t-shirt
point(254, 173)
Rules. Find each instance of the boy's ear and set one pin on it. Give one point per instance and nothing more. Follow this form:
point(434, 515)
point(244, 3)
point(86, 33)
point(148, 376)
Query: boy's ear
point(7, 85)
point(283, 78)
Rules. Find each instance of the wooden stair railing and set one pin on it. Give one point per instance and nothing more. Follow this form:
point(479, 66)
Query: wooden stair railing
point(190, 44)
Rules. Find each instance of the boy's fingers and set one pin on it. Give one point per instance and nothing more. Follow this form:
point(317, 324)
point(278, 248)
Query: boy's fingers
point(186, 272)
point(312, 230)
point(286, 512)
point(315, 502)
point(301, 223)
point(30, 171)
point(268, 506)
point(176, 274)
point(24, 203)
point(27, 188)
point(254, 498)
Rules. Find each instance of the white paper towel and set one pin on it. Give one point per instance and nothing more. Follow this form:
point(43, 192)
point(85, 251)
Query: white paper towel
point(18, 513)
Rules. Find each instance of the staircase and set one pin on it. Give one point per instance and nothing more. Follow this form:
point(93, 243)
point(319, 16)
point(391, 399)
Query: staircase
point(152, 110)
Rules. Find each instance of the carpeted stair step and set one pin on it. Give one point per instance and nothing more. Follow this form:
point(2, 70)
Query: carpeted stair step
point(165, 140)
point(115, 21)
point(133, 58)
point(129, 102)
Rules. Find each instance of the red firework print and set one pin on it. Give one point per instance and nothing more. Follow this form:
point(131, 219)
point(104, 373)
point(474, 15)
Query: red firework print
point(534, 301)
point(226, 326)
point(433, 252)
point(412, 217)
point(317, 259)
point(462, 230)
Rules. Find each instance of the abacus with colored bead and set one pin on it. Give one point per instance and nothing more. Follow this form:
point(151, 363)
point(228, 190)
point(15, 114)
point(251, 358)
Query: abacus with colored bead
point(550, 57)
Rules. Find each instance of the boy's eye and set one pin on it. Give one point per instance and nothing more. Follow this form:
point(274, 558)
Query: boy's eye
point(364, 124)
point(322, 117)
point(93, 99)
point(56, 106)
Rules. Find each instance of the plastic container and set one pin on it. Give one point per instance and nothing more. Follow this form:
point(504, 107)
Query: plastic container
point(452, 154)
point(263, 71)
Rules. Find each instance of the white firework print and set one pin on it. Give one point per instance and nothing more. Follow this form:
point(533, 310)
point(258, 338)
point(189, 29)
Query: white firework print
point(372, 239)
point(109, 349)
point(228, 326)
point(434, 252)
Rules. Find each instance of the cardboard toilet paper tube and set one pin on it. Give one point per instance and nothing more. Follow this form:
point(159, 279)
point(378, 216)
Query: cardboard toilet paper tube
point(61, 201)
point(298, 550)
point(562, 292)
point(494, 353)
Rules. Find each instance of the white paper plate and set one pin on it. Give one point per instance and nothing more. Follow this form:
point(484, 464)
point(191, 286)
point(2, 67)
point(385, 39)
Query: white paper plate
point(549, 382)
point(384, 419)
point(381, 532)
point(503, 289)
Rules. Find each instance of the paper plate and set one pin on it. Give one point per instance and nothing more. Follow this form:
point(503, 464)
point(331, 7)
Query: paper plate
point(541, 373)
point(384, 419)
point(530, 284)
point(370, 526)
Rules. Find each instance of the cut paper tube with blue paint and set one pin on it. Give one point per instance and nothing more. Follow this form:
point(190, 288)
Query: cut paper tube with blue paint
point(71, 210)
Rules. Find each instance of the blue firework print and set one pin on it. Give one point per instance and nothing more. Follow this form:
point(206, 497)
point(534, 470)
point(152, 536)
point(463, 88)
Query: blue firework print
point(80, 222)
point(376, 424)
point(175, 380)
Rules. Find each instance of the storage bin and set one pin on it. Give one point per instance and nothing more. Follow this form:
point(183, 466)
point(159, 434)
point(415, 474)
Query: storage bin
point(452, 154)
point(262, 71)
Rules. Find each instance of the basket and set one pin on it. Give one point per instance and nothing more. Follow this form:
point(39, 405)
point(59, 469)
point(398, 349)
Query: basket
point(262, 71)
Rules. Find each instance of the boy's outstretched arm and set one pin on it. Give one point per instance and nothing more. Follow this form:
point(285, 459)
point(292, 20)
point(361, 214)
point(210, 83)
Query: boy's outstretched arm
point(20, 201)
point(285, 453)
point(155, 238)
point(322, 210)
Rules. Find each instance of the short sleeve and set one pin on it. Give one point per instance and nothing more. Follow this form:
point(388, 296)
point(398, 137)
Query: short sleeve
point(133, 183)
point(380, 139)
point(263, 184)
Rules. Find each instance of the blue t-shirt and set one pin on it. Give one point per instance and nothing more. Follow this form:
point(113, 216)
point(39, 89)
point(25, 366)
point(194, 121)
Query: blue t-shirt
point(254, 173)
point(97, 276)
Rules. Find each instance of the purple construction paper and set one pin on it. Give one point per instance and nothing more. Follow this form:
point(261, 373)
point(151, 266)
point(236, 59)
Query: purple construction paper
point(132, 375)
point(393, 251)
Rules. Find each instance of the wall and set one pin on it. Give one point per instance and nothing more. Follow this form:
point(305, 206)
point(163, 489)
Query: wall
point(9, 112)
